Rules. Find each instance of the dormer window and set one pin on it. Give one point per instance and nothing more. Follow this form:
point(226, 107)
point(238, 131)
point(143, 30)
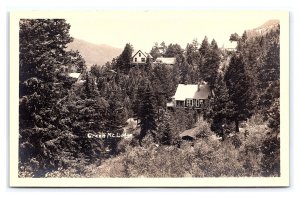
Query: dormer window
point(139, 54)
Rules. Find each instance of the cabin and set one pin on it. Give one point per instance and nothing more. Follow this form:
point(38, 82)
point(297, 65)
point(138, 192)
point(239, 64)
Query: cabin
point(193, 96)
point(140, 57)
point(74, 75)
point(165, 60)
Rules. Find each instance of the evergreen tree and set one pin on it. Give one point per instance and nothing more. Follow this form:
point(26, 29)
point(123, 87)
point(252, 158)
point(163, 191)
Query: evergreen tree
point(116, 119)
point(88, 115)
point(204, 48)
point(270, 71)
point(211, 64)
point(204, 51)
point(138, 99)
point(155, 52)
point(148, 66)
point(192, 53)
point(43, 89)
point(124, 60)
point(185, 72)
point(175, 77)
point(166, 132)
point(173, 50)
point(220, 109)
point(240, 90)
point(271, 145)
point(147, 114)
point(161, 81)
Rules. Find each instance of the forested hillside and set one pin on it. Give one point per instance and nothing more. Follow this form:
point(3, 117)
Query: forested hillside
point(237, 135)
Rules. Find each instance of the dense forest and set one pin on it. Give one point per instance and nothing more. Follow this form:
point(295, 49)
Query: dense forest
point(237, 134)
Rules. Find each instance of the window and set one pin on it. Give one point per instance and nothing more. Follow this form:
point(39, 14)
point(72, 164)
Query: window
point(143, 59)
point(135, 59)
point(197, 103)
point(189, 102)
point(179, 103)
point(139, 54)
point(201, 103)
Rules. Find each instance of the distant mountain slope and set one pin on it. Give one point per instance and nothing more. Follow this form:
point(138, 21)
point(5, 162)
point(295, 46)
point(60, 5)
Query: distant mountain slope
point(93, 53)
point(263, 29)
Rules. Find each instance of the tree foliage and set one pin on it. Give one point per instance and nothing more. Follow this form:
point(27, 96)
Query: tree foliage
point(43, 87)
point(221, 109)
point(173, 50)
point(239, 89)
point(58, 114)
point(210, 59)
point(147, 113)
point(124, 60)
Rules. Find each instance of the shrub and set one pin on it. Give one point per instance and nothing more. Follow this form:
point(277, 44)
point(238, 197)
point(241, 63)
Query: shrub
point(270, 162)
point(203, 129)
point(250, 151)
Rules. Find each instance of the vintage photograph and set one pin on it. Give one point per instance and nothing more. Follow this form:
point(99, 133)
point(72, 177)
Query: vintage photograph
point(150, 94)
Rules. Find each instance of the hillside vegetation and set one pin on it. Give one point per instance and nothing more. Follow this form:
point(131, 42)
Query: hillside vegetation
point(237, 135)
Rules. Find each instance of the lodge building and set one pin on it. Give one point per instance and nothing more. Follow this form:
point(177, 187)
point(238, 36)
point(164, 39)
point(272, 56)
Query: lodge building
point(194, 96)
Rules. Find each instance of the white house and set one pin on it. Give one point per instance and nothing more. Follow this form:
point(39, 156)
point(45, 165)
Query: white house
point(140, 57)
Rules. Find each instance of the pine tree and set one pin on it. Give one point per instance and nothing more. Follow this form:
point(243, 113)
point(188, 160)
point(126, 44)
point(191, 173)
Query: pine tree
point(166, 131)
point(203, 50)
point(124, 60)
point(271, 145)
point(211, 64)
point(161, 81)
point(173, 50)
point(270, 72)
point(192, 53)
point(138, 99)
point(116, 119)
point(147, 114)
point(220, 109)
point(43, 89)
point(240, 90)
point(209, 61)
point(155, 52)
point(88, 113)
point(148, 66)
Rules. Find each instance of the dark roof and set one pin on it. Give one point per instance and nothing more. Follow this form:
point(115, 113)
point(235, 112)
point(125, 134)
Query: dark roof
point(203, 92)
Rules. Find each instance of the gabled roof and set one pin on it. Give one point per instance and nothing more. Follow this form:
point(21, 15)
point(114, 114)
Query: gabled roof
point(144, 53)
point(192, 91)
point(169, 61)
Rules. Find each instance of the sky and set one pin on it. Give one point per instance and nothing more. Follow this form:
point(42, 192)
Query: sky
point(143, 28)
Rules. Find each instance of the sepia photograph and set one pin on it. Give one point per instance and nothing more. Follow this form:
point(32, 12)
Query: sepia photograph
point(149, 98)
